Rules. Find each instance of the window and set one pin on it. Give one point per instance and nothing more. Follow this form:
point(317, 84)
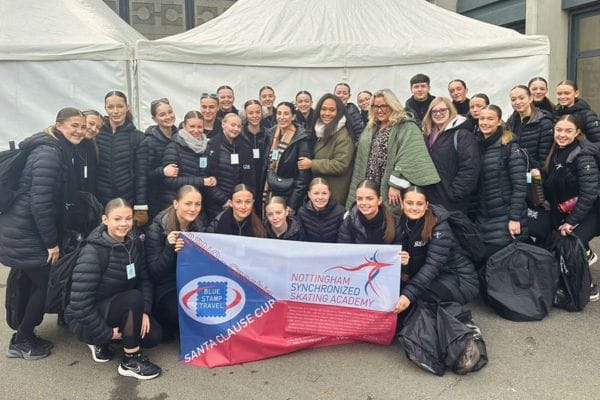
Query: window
point(584, 55)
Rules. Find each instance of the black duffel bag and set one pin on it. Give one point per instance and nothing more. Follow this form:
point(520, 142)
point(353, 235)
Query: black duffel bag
point(519, 282)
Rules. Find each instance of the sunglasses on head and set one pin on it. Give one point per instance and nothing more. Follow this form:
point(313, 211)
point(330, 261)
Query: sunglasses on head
point(206, 95)
point(163, 100)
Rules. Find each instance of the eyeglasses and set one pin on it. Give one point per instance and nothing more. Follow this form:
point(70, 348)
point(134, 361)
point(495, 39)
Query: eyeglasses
point(381, 107)
point(207, 95)
point(164, 100)
point(440, 111)
point(240, 203)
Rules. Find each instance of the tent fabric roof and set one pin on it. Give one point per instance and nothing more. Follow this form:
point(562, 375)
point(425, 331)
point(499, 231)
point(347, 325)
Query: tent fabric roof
point(63, 30)
point(340, 33)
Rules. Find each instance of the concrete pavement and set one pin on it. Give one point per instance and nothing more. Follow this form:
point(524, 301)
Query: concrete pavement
point(556, 358)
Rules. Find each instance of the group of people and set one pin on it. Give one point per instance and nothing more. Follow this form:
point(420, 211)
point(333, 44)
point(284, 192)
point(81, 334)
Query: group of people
point(376, 173)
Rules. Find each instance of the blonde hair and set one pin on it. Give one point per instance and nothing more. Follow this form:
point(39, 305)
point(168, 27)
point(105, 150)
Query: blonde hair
point(398, 112)
point(230, 115)
point(427, 119)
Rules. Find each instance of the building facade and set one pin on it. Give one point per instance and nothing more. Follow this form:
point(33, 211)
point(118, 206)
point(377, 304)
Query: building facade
point(572, 26)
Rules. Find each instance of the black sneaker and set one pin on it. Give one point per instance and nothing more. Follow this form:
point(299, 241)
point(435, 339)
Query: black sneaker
point(138, 366)
point(594, 295)
point(46, 344)
point(591, 257)
point(101, 353)
point(28, 349)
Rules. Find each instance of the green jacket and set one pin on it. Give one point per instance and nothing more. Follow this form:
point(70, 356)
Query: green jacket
point(333, 161)
point(408, 160)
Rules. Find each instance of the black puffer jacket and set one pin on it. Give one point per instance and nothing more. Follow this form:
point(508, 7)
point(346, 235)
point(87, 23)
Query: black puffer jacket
point(535, 135)
point(294, 231)
point(226, 224)
point(85, 164)
point(300, 146)
point(574, 173)
point(34, 222)
point(546, 105)
point(190, 173)
point(228, 174)
point(589, 119)
point(321, 225)
point(221, 114)
point(305, 122)
point(93, 283)
point(462, 108)
point(355, 121)
point(356, 229)
point(458, 166)
point(418, 108)
point(438, 260)
point(258, 144)
point(161, 256)
point(502, 191)
point(154, 145)
point(121, 166)
point(216, 130)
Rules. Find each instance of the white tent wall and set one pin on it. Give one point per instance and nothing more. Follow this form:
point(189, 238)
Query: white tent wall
point(58, 53)
point(36, 91)
point(311, 45)
point(183, 83)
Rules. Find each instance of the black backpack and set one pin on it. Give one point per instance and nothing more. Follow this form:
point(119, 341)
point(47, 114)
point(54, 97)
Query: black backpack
point(12, 163)
point(573, 291)
point(61, 274)
point(467, 235)
point(519, 282)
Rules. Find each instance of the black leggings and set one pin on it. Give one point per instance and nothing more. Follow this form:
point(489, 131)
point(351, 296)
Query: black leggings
point(585, 231)
point(167, 313)
point(36, 305)
point(125, 311)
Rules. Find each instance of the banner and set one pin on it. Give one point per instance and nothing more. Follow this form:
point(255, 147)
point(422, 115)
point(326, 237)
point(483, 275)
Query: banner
point(244, 299)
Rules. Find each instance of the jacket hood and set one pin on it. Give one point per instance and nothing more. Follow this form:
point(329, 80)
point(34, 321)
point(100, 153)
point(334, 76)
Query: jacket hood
point(99, 236)
point(40, 138)
point(456, 122)
point(156, 133)
point(294, 228)
point(580, 105)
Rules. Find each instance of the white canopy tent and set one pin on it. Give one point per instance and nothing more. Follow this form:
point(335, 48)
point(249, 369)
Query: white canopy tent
point(312, 44)
point(59, 53)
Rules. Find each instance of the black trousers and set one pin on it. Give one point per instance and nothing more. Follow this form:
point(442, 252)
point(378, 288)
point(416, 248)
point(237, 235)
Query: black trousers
point(36, 305)
point(125, 311)
point(167, 313)
point(544, 222)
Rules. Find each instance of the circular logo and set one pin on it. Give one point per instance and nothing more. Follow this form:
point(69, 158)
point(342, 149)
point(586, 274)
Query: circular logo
point(212, 299)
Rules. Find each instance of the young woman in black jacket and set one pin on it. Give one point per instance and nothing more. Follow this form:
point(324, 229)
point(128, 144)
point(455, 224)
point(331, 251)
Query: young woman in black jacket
point(532, 127)
point(288, 143)
point(86, 155)
point(569, 102)
point(156, 139)
point(305, 115)
point(266, 95)
point(538, 87)
point(433, 268)
point(454, 153)
point(111, 294)
point(162, 243)
point(502, 209)
point(31, 230)
point(476, 103)
point(255, 134)
point(226, 99)
point(571, 182)
point(353, 115)
point(281, 225)
point(188, 151)
point(320, 216)
point(369, 221)
point(121, 164)
point(239, 218)
point(230, 162)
